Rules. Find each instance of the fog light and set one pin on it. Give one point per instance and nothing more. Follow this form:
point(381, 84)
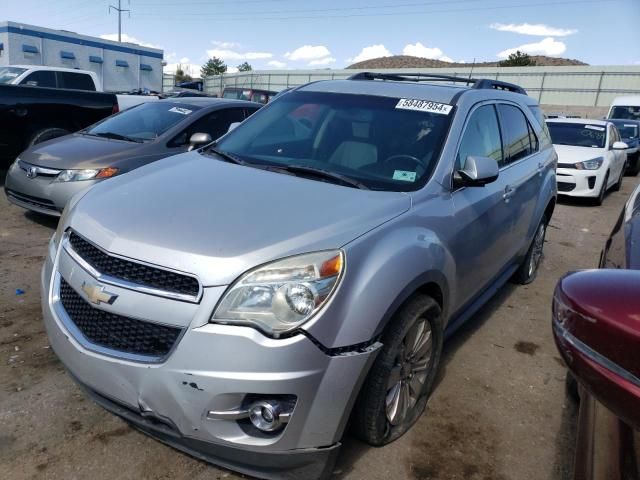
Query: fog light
point(267, 415)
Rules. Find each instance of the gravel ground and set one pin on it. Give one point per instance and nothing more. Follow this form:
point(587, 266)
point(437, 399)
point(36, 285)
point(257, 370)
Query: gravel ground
point(499, 410)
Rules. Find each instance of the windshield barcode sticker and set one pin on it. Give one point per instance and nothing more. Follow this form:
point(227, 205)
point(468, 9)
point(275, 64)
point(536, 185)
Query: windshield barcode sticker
point(183, 111)
point(404, 176)
point(424, 106)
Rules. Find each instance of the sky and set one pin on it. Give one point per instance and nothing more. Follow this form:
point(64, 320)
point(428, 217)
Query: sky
point(319, 34)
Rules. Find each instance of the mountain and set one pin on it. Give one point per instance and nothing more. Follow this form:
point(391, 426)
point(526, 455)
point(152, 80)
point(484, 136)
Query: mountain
point(406, 61)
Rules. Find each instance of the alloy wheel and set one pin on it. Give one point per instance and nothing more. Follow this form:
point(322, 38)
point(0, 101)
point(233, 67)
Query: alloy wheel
point(536, 252)
point(409, 373)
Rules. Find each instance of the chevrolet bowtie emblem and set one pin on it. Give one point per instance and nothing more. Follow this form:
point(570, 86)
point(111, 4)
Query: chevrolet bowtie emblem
point(97, 295)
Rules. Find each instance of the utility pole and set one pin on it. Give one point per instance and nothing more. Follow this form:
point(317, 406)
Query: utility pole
point(119, 9)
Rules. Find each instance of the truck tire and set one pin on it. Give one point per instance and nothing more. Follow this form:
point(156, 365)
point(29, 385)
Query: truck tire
point(398, 385)
point(46, 134)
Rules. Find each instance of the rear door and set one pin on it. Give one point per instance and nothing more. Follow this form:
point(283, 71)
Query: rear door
point(75, 81)
point(522, 171)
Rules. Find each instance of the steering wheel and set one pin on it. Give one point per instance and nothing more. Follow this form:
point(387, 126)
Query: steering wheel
point(415, 160)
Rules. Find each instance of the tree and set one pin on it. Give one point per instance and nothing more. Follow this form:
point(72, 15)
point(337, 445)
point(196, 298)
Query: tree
point(244, 67)
point(518, 59)
point(214, 66)
point(181, 76)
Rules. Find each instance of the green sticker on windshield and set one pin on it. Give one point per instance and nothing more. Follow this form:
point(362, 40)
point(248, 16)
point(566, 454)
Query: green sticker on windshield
point(404, 176)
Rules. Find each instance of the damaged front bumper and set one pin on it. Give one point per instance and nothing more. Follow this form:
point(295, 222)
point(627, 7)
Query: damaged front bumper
point(213, 368)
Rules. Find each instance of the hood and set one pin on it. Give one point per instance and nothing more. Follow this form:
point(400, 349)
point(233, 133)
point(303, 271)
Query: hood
point(200, 215)
point(82, 151)
point(573, 154)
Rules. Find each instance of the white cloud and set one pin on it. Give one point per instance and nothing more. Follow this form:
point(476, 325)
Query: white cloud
point(227, 54)
point(308, 53)
point(444, 58)
point(419, 50)
point(225, 45)
point(372, 51)
point(232, 70)
point(128, 39)
point(276, 64)
point(184, 60)
point(322, 61)
point(548, 46)
point(537, 29)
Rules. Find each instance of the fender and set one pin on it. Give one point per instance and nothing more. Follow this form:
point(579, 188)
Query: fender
point(383, 268)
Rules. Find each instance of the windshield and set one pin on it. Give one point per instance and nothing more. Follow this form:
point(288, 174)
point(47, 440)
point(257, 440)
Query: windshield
point(8, 74)
point(627, 130)
point(146, 121)
point(379, 142)
point(578, 134)
point(627, 113)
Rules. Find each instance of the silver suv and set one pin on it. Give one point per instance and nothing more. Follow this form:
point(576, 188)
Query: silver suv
point(242, 302)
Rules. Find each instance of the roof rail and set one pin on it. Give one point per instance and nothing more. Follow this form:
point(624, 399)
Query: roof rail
point(478, 83)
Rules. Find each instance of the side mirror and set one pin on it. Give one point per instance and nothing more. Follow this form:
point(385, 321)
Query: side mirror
point(233, 126)
point(478, 171)
point(199, 139)
point(620, 146)
point(596, 327)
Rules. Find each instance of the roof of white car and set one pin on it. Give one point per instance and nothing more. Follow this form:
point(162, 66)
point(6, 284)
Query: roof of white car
point(627, 100)
point(583, 121)
point(53, 69)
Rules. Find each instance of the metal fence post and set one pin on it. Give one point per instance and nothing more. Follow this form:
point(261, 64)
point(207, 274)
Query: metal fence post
point(544, 75)
point(287, 80)
point(595, 104)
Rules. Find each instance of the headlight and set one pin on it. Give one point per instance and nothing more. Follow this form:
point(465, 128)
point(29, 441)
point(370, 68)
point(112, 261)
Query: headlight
point(593, 164)
point(88, 174)
point(282, 295)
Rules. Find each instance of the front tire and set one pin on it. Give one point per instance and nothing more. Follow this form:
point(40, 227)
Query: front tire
point(603, 190)
point(618, 185)
point(398, 385)
point(528, 269)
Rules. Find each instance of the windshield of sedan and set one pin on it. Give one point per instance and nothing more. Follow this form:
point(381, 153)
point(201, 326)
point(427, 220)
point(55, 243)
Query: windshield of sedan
point(381, 143)
point(8, 74)
point(626, 113)
point(146, 121)
point(578, 134)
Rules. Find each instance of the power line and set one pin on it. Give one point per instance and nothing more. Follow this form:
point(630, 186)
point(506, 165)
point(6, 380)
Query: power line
point(220, 18)
point(119, 9)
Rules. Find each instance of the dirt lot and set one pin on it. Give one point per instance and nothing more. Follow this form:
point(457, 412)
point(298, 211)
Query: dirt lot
point(498, 412)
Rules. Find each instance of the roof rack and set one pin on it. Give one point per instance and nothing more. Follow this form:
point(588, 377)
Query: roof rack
point(478, 83)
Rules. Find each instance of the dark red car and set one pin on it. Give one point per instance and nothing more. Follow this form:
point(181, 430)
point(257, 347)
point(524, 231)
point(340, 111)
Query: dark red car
point(596, 326)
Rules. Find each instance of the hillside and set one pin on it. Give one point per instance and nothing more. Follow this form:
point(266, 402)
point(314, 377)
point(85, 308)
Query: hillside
point(405, 61)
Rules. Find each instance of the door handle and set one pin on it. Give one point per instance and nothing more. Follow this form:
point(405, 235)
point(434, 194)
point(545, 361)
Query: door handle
point(541, 167)
point(509, 191)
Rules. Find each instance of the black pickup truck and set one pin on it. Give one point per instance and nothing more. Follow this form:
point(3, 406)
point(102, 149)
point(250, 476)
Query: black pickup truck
point(30, 115)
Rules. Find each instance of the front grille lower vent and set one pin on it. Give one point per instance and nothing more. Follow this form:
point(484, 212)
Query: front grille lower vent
point(117, 332)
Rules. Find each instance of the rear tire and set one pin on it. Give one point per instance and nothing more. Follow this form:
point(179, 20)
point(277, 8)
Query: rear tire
point(528, 269)
point(635, 165)
point(47, 134)
point(571, 386)
point(400, 381)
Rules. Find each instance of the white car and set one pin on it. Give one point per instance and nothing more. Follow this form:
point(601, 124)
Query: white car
point(591, 157)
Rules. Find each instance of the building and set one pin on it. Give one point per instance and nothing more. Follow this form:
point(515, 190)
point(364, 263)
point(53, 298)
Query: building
point(120, 66)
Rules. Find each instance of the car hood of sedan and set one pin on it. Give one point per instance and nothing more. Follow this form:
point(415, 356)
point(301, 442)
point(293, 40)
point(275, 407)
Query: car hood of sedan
point(573, 154)
point(79, 151)
point(200, 215)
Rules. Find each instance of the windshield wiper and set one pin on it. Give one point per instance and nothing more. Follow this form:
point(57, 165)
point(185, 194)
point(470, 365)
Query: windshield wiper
point(116, 136)
point(326, 174)
point(228, 157)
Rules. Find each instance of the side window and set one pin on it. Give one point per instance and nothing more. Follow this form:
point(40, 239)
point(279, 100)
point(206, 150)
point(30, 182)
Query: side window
point(215, 124)
point(76, 81)
point(481, 137)
point(250, 111)
point(41, 78)
point(516, 133)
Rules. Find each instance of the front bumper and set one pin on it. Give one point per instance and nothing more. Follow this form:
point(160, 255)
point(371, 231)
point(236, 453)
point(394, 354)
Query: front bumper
point(213, 367)
point(41, 194)
point(580, 183)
